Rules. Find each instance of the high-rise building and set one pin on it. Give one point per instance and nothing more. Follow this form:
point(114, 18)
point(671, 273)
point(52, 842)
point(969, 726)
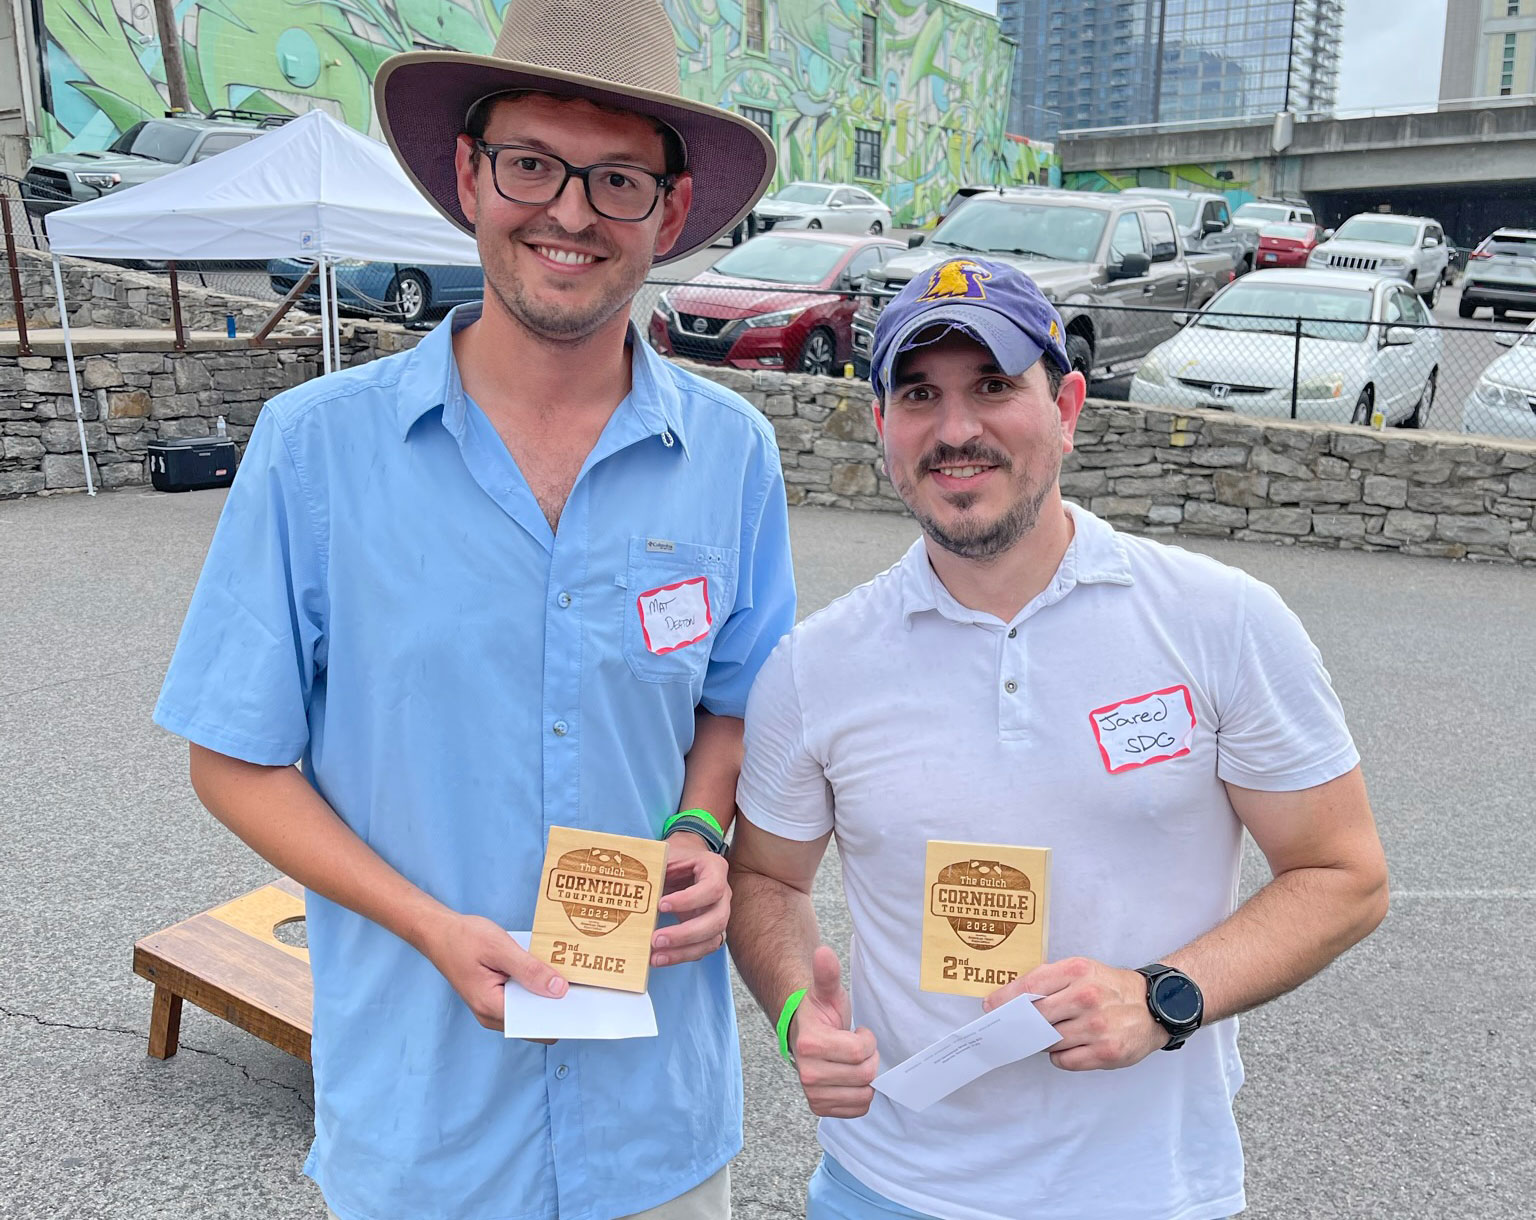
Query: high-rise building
point(1108, 63)
point(1490, 49)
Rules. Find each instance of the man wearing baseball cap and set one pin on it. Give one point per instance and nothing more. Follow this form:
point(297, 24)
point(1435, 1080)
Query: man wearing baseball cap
point(433, 584)
point(1028, 676)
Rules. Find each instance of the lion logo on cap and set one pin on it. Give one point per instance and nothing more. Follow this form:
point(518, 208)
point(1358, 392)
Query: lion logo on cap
point(959, 279)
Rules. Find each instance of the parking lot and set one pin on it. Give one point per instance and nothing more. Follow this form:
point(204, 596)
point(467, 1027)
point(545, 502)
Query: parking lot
point(1399, 1084)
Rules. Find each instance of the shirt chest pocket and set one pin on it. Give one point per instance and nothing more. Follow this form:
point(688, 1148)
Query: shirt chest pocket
point(677, 596)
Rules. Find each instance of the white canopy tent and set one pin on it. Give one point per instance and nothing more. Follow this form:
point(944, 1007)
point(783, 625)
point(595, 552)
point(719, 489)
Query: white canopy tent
point(311, 189)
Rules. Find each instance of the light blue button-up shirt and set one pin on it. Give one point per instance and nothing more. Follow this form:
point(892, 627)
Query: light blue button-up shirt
point(385, 600)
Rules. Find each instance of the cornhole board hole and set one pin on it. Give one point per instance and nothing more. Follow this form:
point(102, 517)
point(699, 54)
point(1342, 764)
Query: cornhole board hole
point(229, 962)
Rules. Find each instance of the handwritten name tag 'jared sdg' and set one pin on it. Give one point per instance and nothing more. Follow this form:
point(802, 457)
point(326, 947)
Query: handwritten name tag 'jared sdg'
point(1146, 729)
point(675, 615)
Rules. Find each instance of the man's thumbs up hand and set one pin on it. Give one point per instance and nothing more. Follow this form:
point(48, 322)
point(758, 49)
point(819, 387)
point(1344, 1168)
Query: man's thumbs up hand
point(836, 1063)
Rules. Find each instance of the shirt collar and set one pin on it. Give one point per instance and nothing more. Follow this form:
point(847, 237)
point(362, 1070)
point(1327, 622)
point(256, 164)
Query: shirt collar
point(431, 380)
point(1096, 555)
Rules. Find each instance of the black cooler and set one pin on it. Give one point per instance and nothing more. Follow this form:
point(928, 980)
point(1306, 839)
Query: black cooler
point(190, 463)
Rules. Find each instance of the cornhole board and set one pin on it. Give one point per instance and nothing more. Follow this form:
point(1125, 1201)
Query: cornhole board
point(229, 962)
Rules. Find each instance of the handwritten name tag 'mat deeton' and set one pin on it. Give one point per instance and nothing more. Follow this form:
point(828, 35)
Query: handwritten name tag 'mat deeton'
point(676, 615)
point(1146, 729)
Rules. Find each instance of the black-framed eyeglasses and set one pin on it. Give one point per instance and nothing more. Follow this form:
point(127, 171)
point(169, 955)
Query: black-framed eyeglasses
point(532, 176)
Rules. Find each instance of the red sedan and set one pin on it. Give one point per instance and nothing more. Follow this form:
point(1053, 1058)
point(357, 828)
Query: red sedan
point(1287, 245)
point(784, 300)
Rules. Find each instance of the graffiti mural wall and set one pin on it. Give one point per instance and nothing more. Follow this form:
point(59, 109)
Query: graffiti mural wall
point(937, 95)
point(1239, 186)
point(104, 70)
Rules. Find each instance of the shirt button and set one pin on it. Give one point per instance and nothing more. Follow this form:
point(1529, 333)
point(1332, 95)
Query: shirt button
point(1010, 686)
point(564, 599)
point(1012, 632)
point(562, 1072)
point(560, 728)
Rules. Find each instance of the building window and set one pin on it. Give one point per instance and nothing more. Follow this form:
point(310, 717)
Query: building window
point(867, 55)
point(1512, 9)
point(866, 153)
point(763, 118)
point(754, 20)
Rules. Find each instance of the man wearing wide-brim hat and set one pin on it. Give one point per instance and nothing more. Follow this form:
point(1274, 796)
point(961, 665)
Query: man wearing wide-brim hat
point(518, 577)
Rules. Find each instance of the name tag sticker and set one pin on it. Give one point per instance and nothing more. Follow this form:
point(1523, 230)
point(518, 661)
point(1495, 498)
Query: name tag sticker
point(1146, 729)
point(675, 616)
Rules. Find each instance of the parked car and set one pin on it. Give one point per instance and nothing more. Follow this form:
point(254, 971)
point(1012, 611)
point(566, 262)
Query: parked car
point(148, 149)
point(781, 300)
point(399, 291)
point(1501, 274)
point(1413, 248)
point(972, 190)
point(1257, 213)
point(1367, 343)
point(1088, 252)
point(838, 208)
point(1205, 224)
point(1503, 403)
point(1288, 245)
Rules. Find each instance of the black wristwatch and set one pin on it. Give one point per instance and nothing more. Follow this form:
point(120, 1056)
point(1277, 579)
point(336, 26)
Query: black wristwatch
point(1175, 1002)
point(701, 828)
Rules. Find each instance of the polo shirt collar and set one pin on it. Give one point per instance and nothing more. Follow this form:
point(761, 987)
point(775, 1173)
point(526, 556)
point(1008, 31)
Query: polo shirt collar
point(431, 380)
point(1096, 555)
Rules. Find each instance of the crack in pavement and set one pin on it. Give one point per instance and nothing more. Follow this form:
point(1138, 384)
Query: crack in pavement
point(46, 1023)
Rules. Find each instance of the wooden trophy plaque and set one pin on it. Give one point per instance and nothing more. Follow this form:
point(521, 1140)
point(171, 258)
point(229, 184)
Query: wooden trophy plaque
point(984, 915)
point(597, 907)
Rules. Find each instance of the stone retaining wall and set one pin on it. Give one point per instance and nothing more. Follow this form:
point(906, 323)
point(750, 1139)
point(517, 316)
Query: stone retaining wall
point(129, 398)
point(1147, 469)
point(1207, 473)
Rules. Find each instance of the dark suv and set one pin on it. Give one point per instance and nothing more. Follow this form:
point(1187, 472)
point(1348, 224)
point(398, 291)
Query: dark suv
point(146, 150)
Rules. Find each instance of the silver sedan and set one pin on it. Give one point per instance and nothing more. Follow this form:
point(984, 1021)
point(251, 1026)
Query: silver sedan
point(837, 207)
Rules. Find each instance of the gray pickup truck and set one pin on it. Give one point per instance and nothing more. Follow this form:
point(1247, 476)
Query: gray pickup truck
point(1113, 265)
point(148, 149)
point(1205, 223)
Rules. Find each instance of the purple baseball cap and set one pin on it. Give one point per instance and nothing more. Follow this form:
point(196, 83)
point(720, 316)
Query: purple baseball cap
point(997, 305)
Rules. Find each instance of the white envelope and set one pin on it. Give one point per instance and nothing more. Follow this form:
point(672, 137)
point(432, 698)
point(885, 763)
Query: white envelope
point(582, 1012)
point(1005, 1035)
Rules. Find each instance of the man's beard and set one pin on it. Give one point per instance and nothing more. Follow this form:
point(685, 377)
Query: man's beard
point(977, 539)
point(546, 316)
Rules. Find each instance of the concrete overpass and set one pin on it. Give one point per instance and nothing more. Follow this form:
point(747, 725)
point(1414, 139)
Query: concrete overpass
point(1472, 168)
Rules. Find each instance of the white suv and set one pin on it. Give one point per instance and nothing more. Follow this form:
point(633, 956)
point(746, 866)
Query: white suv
point(1413, 248)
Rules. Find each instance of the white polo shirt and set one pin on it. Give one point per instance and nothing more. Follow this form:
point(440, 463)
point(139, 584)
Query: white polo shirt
point(1100, 722)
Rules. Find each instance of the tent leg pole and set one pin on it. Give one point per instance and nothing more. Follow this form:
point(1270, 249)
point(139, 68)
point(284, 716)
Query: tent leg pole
point(325, 318)
point(335, 321)
point(74, 380)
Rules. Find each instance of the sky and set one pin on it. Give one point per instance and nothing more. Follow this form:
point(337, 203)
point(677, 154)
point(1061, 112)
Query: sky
point(1390, 55)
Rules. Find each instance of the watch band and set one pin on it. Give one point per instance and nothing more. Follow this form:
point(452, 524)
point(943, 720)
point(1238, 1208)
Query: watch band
point(709, 830)
point(1178, 1032)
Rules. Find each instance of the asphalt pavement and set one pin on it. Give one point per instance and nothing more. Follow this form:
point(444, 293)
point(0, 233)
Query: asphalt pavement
point(1399, 1084)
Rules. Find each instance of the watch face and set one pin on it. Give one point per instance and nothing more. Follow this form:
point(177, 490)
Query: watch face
point(1177, 998)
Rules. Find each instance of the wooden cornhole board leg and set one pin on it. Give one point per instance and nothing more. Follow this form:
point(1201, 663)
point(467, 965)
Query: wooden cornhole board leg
point(165, 1023)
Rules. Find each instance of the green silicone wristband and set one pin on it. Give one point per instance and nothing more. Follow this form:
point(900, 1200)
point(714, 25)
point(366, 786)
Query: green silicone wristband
point(704, 814)
point(791, 1006)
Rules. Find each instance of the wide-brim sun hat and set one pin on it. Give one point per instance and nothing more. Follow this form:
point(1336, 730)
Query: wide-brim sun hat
point(620, 53)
